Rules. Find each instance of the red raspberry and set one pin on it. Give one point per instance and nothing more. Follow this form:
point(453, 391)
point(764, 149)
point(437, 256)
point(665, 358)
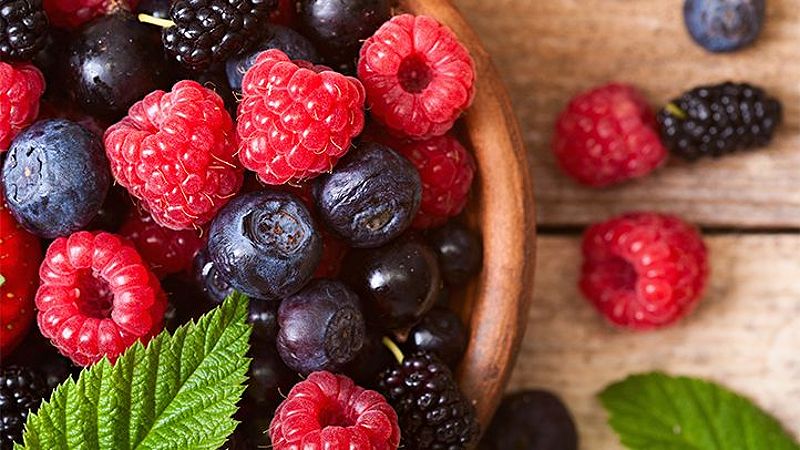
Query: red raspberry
point(175, 152)
point(166, 251)
point(97, 297)
point(446, 169)
point(21, 86)
point(644, 270)
point(71, 14)
point(20, 253)
point(329, 411)
point(607, 136)
point(295, 119)
point(419, 78)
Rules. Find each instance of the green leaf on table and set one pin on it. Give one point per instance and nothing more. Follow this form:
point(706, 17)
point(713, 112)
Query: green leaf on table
point(658, 412)
point(179, 392)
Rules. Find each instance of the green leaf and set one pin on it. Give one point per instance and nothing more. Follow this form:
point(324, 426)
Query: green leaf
point(658, 412)
point(179, 392)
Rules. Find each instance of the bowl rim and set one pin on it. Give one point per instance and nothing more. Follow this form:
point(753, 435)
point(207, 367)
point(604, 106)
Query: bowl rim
point(501, 297)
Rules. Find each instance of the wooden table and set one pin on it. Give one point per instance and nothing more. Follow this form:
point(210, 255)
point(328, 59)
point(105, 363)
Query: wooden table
point(746, 333)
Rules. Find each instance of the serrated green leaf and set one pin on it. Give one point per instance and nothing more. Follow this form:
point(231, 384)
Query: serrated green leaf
point(179, 392)
point(658, 412)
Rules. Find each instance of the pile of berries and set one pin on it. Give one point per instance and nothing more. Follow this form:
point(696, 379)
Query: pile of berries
point(190, 148)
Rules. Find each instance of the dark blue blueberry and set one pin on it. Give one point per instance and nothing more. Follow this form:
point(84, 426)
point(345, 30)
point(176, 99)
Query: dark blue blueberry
point(440, 332)
point(371, 197)
point(531, 420)
point(724, 25)
point(460, 252)
point(397, 283)
point(276, 36)
point(320, 327)
point(215, 287)
point(339, 27)
point(56, 177)
point(265, 244)
point(270, 379)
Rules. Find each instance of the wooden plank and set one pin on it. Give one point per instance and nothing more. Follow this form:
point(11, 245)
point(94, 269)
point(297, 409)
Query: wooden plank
point(549, 50)
point(745, 333)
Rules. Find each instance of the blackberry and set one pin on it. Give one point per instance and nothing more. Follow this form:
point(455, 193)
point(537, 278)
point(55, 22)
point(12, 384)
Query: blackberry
point(433, 413)
point(23, 29)
point(719, 119)
point(21, 390)
point(208, 32)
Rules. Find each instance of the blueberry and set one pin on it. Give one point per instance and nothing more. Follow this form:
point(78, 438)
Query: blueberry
point(264, 319)
point(56, 177)
point(320, 327)
point(397, 284)
point(531, 420)
point(724, 25)
point(460, 252)
point(338, 27)
point(215, 287)
point(371, 197)
point(265, 244)
point(270, 379)
point(113, 63)
point(276, 36)
point(442, 333)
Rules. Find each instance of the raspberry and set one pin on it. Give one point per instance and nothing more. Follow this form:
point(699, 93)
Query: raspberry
point(606, 136)
point(20, 253)
point(21, 391)
point(71, 14)
point(21, 86)
point(166, 251)
point(446, 169)
point(296, 120)
point(329, 411)
point(644, 270)
point(419, 78)
point(175, 152)
point(97, 297)
point(433, 413)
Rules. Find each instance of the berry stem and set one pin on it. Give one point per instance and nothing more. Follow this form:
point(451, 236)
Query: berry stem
point(398, 354)
point(163, 23)
point(676, 111)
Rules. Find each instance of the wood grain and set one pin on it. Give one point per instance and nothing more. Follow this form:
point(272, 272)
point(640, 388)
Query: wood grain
point(745, 333)
point(502, 206)
point(549, 50)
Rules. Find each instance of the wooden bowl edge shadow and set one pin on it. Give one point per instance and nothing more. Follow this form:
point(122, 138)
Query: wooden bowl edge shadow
point(506, 216)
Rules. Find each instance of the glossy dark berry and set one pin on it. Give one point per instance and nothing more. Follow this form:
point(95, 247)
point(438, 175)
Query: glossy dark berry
point(208, 32)
point(442, 333)
point(113, 63)
point(397, 283)
point(270, 378)
point(373, 359)
point(39, 353)
point(275, 36)
point(264, 318)
point(23, 29)
point(460, 252)
point(339, 27)
point(320, 327)
point(21, 390)
point(265, 244)
point(371, 196)
point(218, 82)
point(113, 212)
point(719, 119)
point(432, 412)
point(531, 420)
point(156, 8)
point(724, 25)
point(55, 177)
point(213, 284)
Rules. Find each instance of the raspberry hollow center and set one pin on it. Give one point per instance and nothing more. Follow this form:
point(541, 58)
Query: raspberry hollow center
point(95, 298)
point(332, 415)
point(414, 74)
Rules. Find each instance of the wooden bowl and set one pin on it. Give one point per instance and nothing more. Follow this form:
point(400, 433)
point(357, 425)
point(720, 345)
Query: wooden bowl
point(496, 304)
